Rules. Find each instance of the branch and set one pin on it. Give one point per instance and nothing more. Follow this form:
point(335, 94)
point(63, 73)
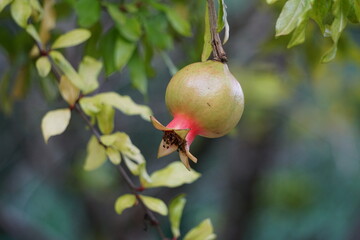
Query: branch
point(134, 189)
point(218, 50)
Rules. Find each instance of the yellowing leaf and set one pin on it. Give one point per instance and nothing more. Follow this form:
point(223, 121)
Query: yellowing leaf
point(43, 66)
point(48, 21)
point(105, 119)
point(204, 231)
point(155, 204)
point(68, 91)
point(176, 208)
point(96, 154)
point(89, 71)
point(121, 141)
point(72, 38)
point(21, 11)
point(4, 3)
point(90, 105)
point(125, 104)
point(173, 175)
point(55, 122)
point(124, 202)
point(67, 69)
point(113, 155)
point(207, 48)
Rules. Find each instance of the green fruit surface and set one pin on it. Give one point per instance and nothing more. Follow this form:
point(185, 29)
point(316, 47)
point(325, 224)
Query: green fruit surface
point(209, 94)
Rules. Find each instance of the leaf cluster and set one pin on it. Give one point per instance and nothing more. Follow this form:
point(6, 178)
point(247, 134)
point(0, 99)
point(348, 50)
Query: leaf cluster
point(332, 17)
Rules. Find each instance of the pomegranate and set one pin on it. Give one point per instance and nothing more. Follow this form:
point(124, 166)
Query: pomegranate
point(205, 99)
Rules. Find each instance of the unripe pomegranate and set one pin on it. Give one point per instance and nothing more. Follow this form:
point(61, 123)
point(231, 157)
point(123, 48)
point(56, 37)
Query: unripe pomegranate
point(205, 99)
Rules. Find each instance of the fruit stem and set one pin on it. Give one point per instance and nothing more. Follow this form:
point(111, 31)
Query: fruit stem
point(218, 50)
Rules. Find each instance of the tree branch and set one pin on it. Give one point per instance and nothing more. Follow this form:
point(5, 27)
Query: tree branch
point(218, 50)
point(134, 189)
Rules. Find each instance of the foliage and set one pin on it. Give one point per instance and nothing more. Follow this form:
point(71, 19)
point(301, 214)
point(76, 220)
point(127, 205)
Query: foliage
point(331, 17)
point(138, 31)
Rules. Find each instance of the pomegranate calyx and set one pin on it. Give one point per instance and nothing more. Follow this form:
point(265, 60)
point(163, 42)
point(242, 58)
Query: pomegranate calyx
point(174, 140)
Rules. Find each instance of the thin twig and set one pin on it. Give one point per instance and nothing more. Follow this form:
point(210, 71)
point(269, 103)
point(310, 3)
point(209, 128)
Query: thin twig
point(218, 50)
point(151, 217)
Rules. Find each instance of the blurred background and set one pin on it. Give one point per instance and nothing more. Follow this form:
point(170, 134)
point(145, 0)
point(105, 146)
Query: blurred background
point(290, 170)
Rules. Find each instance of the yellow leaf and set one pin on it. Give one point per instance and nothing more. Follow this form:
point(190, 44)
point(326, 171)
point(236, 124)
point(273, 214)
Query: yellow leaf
point(96, 154)
point(72, 38)
point(124, 202)
point(113, 155)
point(68, 91)
point(48, 21)
point(173, 175)
point(43, 66)
point(67, 69)
point(203, 231)
point(125, 104)
point(105, 119)
point(176, 208)
point(155, 204)
point(55, 122)
point(89, 70)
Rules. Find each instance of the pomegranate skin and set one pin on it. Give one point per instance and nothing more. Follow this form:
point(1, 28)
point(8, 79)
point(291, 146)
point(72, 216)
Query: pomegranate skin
point(209, 95)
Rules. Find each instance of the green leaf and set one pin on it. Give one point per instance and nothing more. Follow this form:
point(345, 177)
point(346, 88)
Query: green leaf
point(72, 38)
point(30, 29)
point(320, 11)
point(138, 73)
point(55, 122)
point(155, 204)
point(298, 36)
point(88, 12)
point(176, 208)
point(105, 119)
point(173, 175)
point(222, 20)
point(356, 9)
point(207, 48)
point(122, 52)
point(89, 71)
point(124, 202)
point(4, 3)
point(292, 15)
point(128, 26)
point(68, 91)
point(180, 24)
point(340, 9)
point(113, 155)
point(204, 231)
point(156, 32)
point(21, 12)
point(68, 70)
point(107, 46)
point(123, 103)
point(43, 66)
point(96, 154)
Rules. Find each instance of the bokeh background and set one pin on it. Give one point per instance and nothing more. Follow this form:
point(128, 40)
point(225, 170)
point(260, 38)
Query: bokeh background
point(290, 170)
